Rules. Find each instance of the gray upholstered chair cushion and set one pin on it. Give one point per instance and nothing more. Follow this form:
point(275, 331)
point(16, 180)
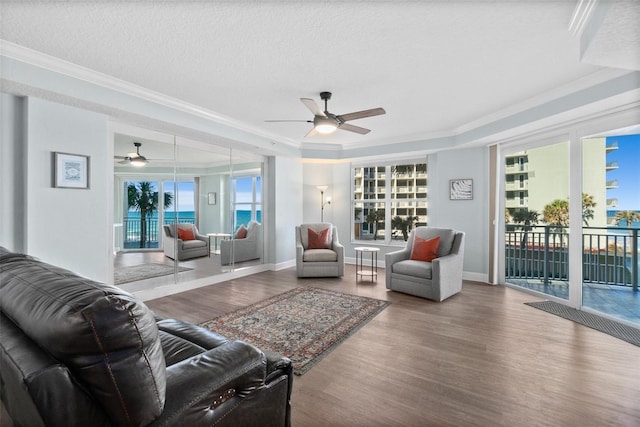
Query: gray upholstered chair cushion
point(413, 268)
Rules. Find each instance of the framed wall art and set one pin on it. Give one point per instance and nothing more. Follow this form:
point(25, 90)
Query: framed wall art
point(461, 189)
point(70, 171)
point(212, 198)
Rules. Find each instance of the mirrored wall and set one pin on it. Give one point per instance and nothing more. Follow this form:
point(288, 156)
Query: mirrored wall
point(184, 210)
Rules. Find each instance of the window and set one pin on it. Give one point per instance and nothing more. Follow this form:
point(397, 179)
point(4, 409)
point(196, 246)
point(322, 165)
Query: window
point(247, 204)
point(388, 201)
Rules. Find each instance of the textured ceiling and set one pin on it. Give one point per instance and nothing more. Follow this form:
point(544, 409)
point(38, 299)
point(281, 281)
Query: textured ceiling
point(434, 66)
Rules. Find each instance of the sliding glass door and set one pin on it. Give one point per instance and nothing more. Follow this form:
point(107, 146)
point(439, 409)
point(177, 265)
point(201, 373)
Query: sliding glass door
point(536, 198)
point(570, 218)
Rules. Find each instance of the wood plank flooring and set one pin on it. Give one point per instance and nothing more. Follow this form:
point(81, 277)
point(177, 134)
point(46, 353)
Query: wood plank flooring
point(481, 358)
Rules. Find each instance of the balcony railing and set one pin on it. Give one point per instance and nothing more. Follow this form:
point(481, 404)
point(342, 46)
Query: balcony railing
point(543, 253)
point(132, 229)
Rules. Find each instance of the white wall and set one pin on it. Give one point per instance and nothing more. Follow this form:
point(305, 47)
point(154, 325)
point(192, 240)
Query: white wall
point(12, 173)
point(285, 211)
point(470, 216)
point(70, 228)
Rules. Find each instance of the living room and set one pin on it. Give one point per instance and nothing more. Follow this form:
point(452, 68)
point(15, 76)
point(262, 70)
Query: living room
point(52, 102)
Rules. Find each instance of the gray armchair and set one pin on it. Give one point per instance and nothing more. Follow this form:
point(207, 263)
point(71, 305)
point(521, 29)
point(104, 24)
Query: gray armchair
point(436, 280)
point(243, 249)
point(176, 248)
point(319, 262)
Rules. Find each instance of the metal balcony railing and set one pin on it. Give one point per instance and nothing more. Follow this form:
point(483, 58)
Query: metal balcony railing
point(132, 230)
point(541, 252)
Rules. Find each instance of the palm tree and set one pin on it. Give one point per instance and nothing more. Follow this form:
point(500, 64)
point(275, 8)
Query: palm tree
point(556, 213)
point(528, 218)
point(403, 224)
point(587, 207)
point(374, 217)
point(627, 216)
point(144, 199)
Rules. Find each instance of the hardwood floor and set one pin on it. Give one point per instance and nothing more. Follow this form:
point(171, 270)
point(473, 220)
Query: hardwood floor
point(481, 358)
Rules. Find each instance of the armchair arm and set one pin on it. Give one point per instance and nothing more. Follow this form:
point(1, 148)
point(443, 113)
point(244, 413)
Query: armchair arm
point(299, 253)
point(204, 238)
point(447, 272)
point(390, 259)
point(204, 389)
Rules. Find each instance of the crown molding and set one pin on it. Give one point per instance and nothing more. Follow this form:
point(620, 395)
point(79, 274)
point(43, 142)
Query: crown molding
point(568, 89)
point(56, 65)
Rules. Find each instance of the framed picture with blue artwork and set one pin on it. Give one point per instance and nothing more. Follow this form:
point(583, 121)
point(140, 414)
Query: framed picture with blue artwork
point(461, 189)
point(70, 171)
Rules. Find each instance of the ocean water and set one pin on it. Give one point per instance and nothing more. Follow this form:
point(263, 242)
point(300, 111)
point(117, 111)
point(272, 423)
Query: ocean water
point(242, 216)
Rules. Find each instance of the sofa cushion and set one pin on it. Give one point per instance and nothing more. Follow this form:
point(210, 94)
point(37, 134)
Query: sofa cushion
point(107, 338)
point(192, 244)
point(304, 234)
point(241, 233)
point(319, 255)
point(446, 235)
point(425, 249)
point(318, 239)
point(186, 234)
point(413, 268)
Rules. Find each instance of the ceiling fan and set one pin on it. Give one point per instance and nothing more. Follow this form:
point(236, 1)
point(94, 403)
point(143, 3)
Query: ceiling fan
point(325, 122)
point(133, 159)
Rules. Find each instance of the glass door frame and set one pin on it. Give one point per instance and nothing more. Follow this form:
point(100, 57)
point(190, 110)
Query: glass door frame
point(573, 132)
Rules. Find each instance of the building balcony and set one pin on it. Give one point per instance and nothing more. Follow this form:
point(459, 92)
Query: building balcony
point(517, 168)
point(517, 186)
point(612, 184)
point(612, 146)
point(612, 166)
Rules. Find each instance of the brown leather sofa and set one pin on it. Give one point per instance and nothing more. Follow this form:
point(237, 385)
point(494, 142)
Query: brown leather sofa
point(74, 352)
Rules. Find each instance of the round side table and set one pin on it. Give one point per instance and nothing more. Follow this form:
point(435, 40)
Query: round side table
point(360, 271)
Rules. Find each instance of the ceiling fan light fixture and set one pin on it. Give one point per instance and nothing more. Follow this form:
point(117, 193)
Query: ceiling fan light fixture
point(325, 125)
point(138, 161)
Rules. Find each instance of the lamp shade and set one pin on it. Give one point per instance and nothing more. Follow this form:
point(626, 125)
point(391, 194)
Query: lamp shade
point(325, 125)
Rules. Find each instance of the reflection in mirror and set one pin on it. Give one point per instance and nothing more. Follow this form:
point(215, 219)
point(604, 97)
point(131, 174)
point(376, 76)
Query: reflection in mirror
point(202, 195)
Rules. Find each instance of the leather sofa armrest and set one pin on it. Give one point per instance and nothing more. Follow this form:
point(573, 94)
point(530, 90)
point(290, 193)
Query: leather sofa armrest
point(204, 389)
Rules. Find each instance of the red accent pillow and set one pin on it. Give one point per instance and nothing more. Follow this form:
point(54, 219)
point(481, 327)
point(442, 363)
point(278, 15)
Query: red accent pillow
point(186, 234)
point(425, 250)
point(319, 239)
point(241, 233)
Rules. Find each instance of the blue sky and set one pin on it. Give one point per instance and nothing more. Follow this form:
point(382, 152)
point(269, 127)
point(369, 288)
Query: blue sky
point(628, 172)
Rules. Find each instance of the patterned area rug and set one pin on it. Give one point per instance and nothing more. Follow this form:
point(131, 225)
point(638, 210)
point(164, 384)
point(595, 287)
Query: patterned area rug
point(599, 323)
point(304, 324)
point(143, 271)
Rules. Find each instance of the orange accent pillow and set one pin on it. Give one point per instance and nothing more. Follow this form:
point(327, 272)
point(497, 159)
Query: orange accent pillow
point(186, 234)
point(425, 250)
point(241, 233)
point(319, 239)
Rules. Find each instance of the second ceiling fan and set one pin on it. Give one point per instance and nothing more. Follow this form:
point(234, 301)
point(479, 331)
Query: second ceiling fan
point(325, 122)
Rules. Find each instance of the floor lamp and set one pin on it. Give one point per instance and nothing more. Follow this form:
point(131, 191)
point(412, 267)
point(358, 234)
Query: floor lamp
point(323, 202)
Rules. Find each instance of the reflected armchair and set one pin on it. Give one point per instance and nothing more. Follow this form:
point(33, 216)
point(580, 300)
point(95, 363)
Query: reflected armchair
point(312, 260)
point(437, 279)
point(192, 245)
point(243, 249)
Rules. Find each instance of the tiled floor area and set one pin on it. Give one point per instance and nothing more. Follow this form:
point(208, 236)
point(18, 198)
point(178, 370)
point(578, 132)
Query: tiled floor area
point(616, 301)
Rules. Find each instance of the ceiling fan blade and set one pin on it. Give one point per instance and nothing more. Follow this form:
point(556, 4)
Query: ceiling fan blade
point(119, 157)
point(125, 161)
point(352, 128)
point(312, 132)
point(361, 114)
point(311, 105)
point(280, 121)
